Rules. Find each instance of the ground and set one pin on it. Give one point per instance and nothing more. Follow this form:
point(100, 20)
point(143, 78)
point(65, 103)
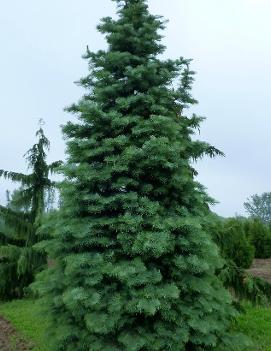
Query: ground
point(28, 321)
point(261, 268)
point(10, 340)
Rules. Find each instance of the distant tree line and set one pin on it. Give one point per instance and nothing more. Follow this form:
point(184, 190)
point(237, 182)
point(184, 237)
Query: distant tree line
point(259, 206)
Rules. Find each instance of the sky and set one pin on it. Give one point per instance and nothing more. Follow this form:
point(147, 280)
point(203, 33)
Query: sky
point(229, 41)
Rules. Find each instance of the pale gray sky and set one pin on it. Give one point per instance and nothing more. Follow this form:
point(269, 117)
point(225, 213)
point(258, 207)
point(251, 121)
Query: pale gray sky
point(229, 40)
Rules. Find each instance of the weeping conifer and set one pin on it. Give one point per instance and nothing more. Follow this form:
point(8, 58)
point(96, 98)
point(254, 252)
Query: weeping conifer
point(134, 268)
point(21, 219)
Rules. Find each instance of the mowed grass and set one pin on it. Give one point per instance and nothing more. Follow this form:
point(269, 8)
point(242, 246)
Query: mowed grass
point(255, 322)
point(26, 317)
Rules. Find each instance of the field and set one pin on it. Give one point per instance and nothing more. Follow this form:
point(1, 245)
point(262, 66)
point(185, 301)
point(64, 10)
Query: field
point(261, 268)
point(25, 316)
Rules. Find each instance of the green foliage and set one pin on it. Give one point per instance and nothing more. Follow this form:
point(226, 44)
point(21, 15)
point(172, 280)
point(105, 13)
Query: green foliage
point(21, 219)
point(243, 285)
point(232, 239)
point(259, 206)
point(260, 236)
point(134, 269)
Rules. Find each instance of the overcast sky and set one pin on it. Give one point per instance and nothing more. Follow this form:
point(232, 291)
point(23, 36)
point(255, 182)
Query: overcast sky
point(229, 40)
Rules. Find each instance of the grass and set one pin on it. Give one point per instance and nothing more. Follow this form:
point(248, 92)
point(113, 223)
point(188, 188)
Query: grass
point(26, 317)
point(256, 324)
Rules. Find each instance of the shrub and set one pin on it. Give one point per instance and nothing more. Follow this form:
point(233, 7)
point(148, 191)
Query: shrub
point(234, 244)
point(260, 236)
point(233, 240)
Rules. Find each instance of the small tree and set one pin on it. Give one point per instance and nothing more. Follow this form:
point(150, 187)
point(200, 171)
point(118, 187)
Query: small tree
point(134, 268)
point(259, 207)
point(21, 219)
point(234, 242)
point(260, 236)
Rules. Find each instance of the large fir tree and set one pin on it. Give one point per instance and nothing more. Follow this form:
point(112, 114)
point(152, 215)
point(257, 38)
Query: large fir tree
point(134, 269)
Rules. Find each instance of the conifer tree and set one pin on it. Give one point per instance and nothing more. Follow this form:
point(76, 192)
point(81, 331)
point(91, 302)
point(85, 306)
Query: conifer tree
point(21, 219)
point(134, 269)
point(260, 236)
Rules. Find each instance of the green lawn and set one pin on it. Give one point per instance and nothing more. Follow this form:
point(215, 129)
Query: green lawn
point(256, 323)
point(25, 315)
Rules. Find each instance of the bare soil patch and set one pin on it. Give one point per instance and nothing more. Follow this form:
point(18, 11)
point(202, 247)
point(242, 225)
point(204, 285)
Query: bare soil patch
point(261, 268)
point(9, 338)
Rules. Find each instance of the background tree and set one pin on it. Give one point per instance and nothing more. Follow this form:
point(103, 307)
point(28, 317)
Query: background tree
point(134, 268)
point(259, 206)
point(233, 241)
point(21, 219)
point(260, 236)
point(235, 238)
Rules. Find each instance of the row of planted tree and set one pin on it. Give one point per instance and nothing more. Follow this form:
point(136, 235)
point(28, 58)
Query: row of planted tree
point(133, 263)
